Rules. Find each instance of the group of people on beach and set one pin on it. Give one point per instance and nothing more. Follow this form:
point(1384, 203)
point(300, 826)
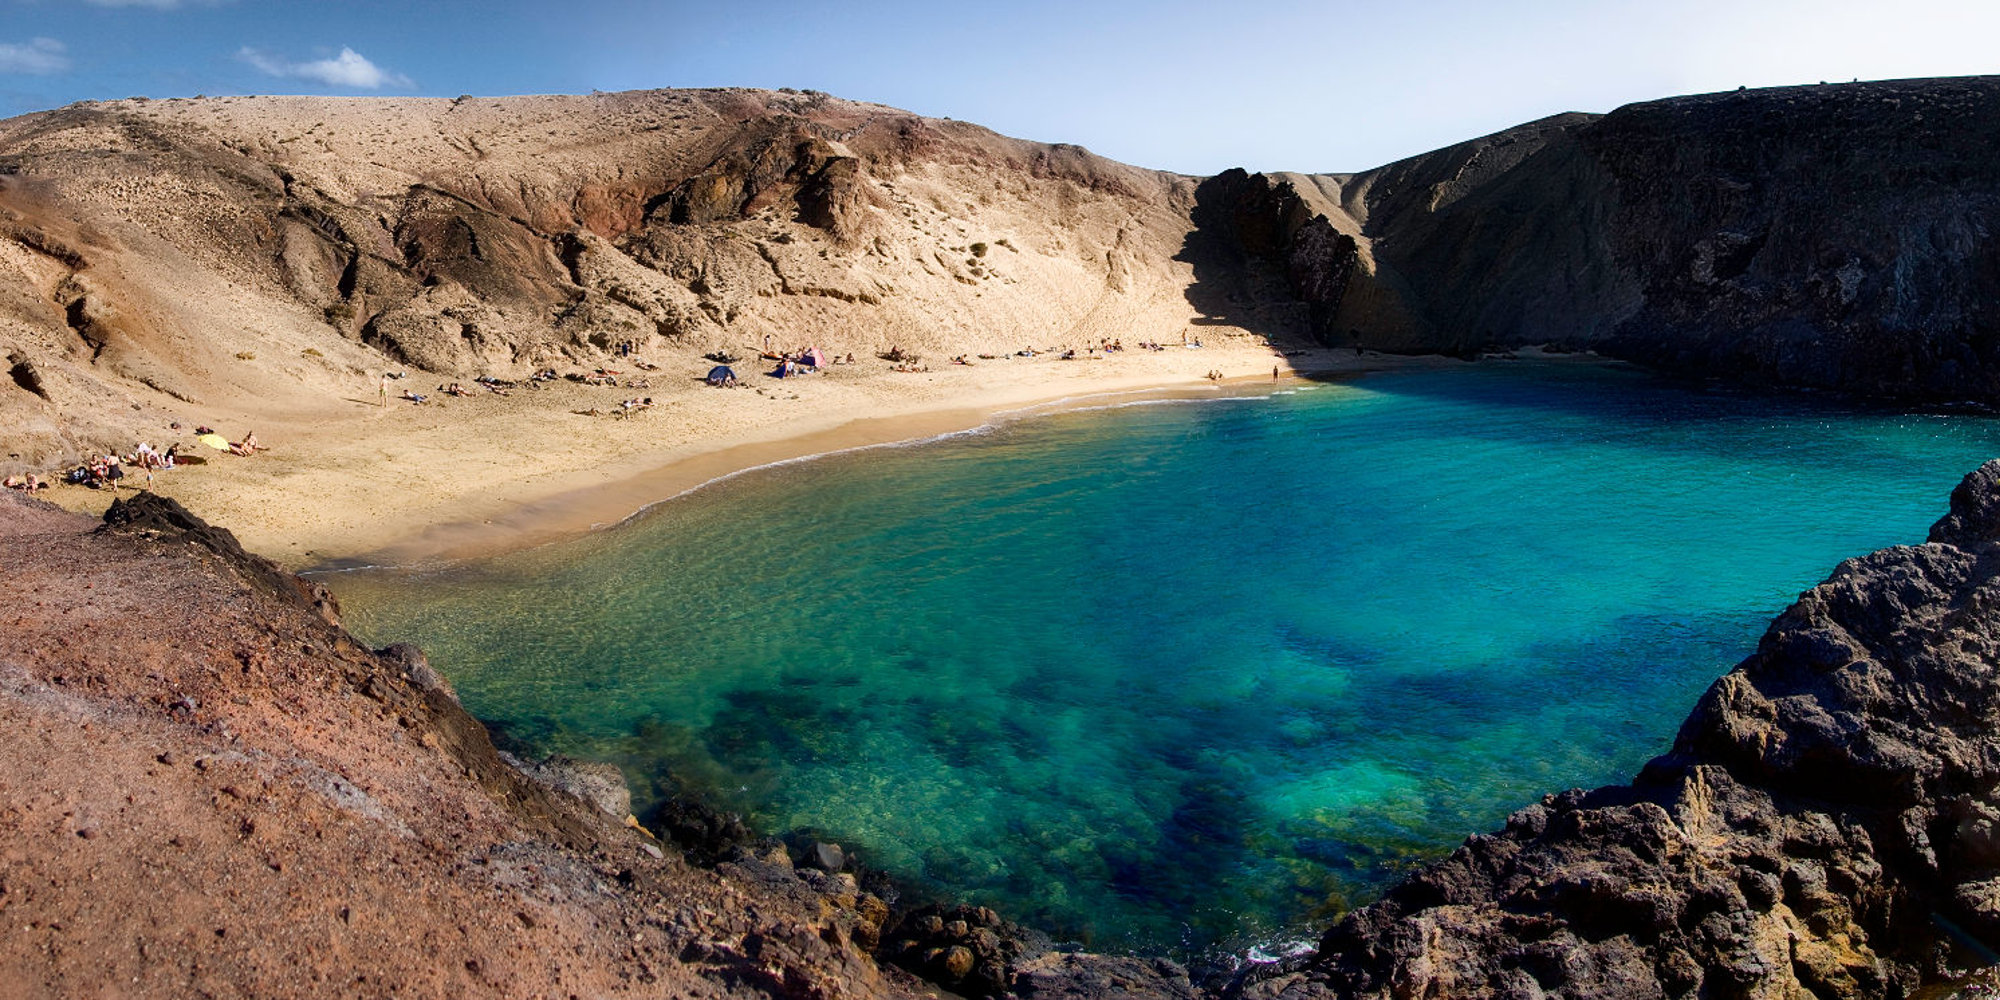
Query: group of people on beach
point(107, 471)
point(493, 385)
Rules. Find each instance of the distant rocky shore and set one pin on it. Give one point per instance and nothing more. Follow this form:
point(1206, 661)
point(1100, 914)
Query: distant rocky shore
point(218, 761)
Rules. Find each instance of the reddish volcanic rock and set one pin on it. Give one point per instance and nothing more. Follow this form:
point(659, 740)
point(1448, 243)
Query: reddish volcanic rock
point(209, 789)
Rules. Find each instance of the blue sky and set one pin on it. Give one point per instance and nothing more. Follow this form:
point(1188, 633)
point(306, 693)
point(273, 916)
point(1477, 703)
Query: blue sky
point(1194, 87)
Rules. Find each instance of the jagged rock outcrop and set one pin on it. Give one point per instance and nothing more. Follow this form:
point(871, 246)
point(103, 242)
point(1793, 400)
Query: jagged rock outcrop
point(1828, 808)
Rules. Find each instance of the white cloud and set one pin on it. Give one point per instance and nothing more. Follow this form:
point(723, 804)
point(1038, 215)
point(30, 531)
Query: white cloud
point(275, 67)
point(42, 56)
point(348, 69)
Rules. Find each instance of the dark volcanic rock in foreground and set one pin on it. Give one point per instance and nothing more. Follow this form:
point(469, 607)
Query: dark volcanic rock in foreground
point(1828, 801)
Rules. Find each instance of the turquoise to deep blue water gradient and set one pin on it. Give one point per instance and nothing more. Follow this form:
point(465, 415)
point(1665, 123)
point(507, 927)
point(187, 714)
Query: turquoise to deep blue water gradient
point(1192, 674)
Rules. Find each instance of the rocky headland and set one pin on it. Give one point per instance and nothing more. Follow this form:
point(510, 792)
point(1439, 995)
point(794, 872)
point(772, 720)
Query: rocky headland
point(1833, 236)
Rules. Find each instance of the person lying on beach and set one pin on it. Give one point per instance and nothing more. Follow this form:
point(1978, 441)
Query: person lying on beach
point(414, 397)
point(246, 447)
point(454, 389)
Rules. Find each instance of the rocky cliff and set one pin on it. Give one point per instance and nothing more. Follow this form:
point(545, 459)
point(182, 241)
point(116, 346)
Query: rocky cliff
point(1828, 236)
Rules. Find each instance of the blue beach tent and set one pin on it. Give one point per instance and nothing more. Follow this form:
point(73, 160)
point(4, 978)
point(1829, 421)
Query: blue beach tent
point(721, 375)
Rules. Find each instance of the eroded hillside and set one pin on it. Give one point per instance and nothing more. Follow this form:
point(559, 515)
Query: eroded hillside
point(276, 249)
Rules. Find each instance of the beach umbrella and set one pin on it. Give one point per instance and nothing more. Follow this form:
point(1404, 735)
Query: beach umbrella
point(216, 441)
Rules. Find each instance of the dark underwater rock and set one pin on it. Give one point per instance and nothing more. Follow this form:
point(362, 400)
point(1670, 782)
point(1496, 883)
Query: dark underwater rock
point(967, 949)
point(706, 834)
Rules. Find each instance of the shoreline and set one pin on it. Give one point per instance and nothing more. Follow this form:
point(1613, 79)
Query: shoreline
point(571, 513)
point(349, 484)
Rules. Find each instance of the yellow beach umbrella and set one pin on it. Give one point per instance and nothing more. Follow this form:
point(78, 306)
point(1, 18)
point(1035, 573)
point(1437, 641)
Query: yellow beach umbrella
point(216, 441)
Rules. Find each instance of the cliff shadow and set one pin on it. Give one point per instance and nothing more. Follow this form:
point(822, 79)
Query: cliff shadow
point(1265, 263)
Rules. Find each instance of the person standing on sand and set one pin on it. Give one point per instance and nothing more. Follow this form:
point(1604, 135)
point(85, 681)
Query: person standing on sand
point(1274, 373)
point(382, 391)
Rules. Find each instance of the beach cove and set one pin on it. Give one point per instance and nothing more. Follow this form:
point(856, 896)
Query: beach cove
point(1196, 674)
point(349, 479)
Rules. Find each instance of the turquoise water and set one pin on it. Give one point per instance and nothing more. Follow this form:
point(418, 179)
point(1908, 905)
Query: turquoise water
point(1180, 676)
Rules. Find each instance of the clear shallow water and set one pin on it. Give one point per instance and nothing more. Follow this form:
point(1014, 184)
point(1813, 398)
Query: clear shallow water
point(1177, 676)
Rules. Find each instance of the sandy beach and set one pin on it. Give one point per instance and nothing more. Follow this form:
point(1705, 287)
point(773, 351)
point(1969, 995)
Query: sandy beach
point(356, 480)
